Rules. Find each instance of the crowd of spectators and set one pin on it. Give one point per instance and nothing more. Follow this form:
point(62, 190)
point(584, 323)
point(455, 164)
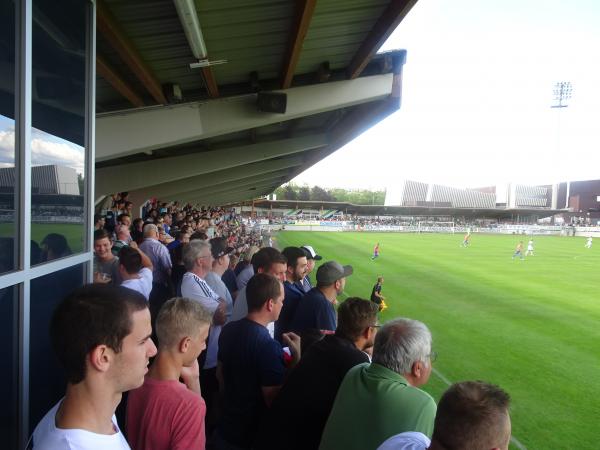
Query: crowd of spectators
point(251, 353)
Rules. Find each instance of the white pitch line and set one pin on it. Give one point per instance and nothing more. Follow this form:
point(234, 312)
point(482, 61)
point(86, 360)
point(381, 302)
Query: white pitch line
point(441, 376)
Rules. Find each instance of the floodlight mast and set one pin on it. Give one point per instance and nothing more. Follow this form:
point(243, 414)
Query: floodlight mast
point(562, 93)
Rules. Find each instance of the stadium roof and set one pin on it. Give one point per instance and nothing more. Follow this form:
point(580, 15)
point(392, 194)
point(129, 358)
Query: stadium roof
point(381, 210)
point(212, 144)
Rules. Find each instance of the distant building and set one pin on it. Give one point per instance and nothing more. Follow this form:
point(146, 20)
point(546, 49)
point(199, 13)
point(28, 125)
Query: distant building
point(49, 179)
point(576, 196)
point(415, 193)
point(580, 196)
point(522, 196)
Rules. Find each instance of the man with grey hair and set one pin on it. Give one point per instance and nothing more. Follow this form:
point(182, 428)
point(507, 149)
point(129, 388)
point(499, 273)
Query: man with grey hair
point(161, 268)
point(379, 400)
point(198, 259)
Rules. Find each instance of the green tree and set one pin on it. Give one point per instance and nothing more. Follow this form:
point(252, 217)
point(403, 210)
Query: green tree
point(80, 183)
point(338, 194)
point(304, 193)
point(289, 193)
point(319, 194)
point(280, 193)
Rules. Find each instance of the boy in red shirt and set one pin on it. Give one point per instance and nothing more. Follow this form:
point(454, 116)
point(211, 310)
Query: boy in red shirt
point(165, 413)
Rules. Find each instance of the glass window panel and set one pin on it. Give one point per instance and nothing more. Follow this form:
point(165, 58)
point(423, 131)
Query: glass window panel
point(8, 217)
point(57, 135)
point(9, 386)
point(47, 381)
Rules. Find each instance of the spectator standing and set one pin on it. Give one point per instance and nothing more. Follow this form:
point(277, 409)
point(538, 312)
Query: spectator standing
point(228, 276)
point(137, 233)
point(161, 272)
point(123, 238)
point(210, 387)
point(99, 221)
point(316, 310)
point(106, 265)
point(385, 391)
point(311, 257)
point(197, 258)
point(251, 365)
point(102, 359)
point(164, 413)
point(470, 415)
point(296, 269)
point(308, 394)
point(246, 273)
point(267, 260)
point(135, 269)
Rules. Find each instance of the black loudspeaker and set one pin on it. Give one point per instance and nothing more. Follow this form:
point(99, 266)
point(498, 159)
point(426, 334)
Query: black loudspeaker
point(273, 102)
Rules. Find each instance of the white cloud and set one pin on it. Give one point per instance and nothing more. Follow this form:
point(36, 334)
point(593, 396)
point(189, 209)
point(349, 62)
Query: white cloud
point(62, 154)
point(45, 150)
point(7, 146)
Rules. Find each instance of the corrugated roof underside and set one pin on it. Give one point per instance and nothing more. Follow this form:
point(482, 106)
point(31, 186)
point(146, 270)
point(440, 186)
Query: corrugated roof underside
point(336, 32)
point(251, 37)
point(156, 33)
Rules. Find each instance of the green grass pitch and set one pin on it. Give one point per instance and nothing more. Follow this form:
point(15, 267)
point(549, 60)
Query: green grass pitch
point(73, 233)
point(532, 326)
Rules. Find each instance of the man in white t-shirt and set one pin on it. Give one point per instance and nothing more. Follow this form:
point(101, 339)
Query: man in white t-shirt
point(529, 251)
point(100, 365)
point(135, 269)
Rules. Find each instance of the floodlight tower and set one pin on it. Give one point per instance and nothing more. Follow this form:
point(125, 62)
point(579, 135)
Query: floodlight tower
point(562, 93)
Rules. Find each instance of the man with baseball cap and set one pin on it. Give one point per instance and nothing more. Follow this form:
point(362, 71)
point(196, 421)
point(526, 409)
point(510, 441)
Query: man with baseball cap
point(311, 257)
point(316, 310)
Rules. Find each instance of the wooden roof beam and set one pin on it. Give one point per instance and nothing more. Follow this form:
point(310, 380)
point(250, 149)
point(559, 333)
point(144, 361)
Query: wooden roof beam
point(120, 85)
point(112, 32)
point(385, 26)
point(302, 20)
point(210, 83)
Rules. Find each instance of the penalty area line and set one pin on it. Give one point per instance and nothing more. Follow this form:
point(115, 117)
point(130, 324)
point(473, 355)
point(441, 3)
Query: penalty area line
point(446, 381)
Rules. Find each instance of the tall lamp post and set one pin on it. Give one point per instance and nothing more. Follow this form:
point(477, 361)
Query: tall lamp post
point(562, 93)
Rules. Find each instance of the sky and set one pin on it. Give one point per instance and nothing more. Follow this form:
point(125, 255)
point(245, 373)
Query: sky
point(46, 148)
point(477, 89)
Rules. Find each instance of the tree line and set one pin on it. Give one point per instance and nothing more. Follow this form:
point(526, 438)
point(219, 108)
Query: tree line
point(293, 191)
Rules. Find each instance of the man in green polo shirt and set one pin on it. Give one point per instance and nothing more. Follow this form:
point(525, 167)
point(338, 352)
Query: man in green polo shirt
point(381, 399)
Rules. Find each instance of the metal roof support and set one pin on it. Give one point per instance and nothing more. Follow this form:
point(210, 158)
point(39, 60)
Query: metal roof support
point(302, 20)
point(269, 178)
point(112, 32)
point(236, 197)
point(121, 86)
point(188, 16)
point(128, 177)
point(362, 118)
point(385, 26)
point(241, 192)
point(210, 82)
point(233, 175)
point(147, 129)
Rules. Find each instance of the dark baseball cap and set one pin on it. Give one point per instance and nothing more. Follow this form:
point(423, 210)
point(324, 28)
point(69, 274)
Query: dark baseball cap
point(331, 271)
point(219, 247)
